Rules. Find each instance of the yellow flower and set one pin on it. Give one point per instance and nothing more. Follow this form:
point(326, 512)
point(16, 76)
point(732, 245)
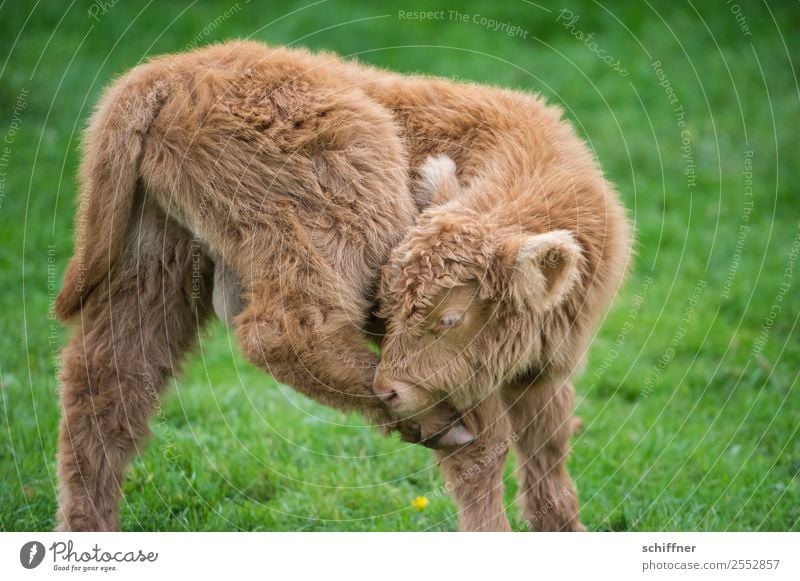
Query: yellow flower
point(420, 503)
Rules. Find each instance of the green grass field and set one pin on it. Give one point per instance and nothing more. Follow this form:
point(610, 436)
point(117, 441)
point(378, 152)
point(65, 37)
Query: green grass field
point(691, 399)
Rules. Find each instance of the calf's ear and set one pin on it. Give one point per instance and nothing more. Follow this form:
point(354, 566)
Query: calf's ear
point(546, 270)
point(437, 183)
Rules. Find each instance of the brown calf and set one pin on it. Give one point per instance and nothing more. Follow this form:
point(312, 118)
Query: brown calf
point(292, 170)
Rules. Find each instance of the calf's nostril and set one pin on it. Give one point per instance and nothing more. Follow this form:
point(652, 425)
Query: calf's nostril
point(386, 390)
point(389, 397)
point(386, 394)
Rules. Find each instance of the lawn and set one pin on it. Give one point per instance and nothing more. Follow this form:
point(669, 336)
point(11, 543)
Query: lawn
point(691, 399)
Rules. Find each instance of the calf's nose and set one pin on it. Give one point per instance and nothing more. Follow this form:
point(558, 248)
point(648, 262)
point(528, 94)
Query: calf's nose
point(389, 389)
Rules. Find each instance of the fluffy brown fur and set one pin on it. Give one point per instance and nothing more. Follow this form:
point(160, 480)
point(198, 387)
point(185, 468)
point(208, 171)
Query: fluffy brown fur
point(292, 169)
point(493, 297)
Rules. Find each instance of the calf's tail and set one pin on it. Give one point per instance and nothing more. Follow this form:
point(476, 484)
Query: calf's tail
point(112, 146)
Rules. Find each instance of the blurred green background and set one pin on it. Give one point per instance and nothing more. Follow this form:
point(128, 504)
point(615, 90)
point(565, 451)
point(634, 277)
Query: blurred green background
point(690, 399)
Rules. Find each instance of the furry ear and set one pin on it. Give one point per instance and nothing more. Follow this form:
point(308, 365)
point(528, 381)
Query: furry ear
point(437, 183)
point(546, 269)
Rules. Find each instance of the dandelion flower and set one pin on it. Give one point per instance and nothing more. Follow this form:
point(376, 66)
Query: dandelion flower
point(420, 503)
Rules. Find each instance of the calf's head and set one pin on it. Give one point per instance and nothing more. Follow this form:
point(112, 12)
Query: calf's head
point(466, 304)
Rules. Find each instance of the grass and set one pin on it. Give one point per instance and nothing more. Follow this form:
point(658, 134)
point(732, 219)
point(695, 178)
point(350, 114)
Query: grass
point(690, 398)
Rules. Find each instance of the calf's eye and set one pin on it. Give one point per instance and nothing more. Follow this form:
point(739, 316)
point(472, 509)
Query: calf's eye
point(449, 320)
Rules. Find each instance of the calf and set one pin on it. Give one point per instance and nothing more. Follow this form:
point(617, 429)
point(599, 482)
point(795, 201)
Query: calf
point(491, 300)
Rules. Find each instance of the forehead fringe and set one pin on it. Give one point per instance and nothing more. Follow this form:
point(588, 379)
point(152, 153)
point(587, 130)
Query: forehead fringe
point(438, 255)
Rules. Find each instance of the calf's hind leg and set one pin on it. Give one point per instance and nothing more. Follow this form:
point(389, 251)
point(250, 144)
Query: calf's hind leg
point(128, 340)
